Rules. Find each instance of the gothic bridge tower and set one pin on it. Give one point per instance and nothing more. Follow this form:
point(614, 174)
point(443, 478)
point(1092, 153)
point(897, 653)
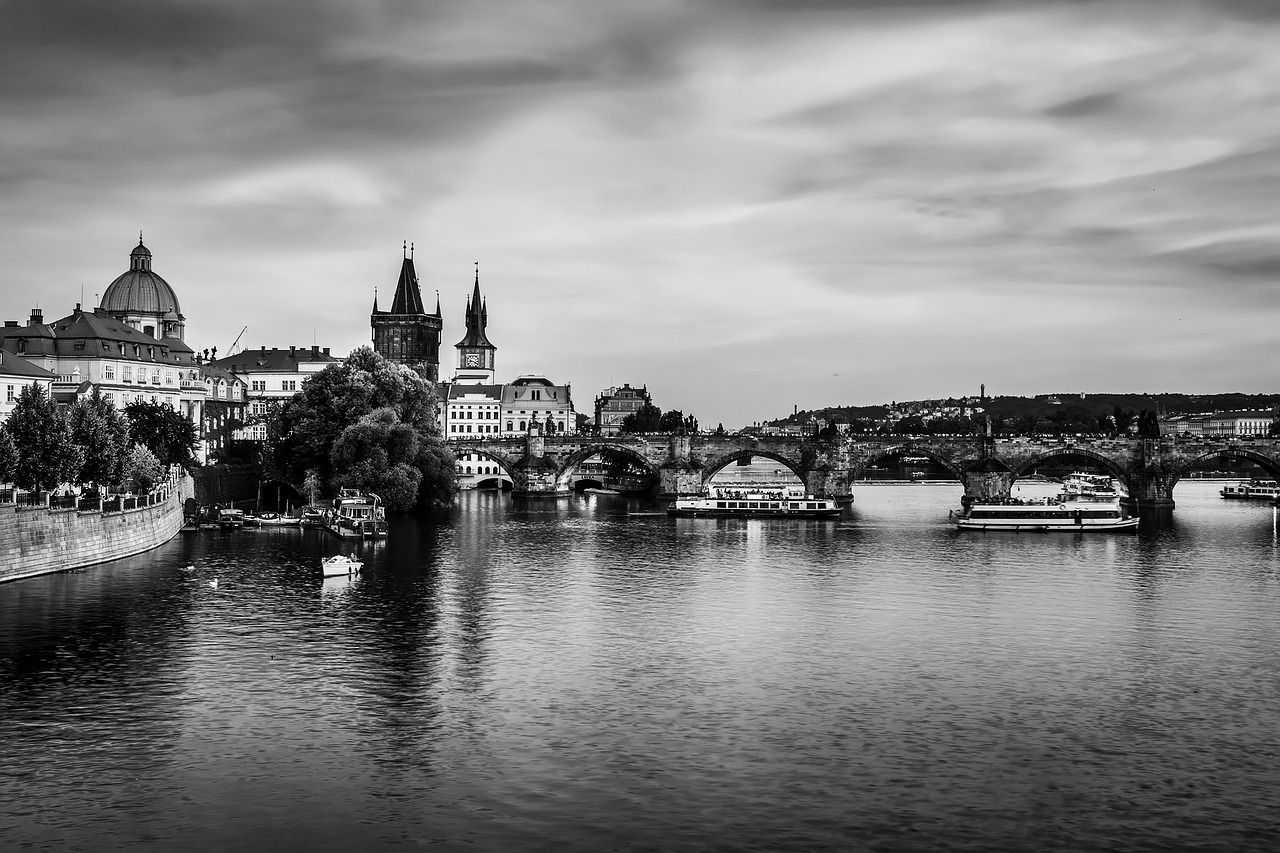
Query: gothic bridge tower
point(475, 352)
point(407, 334)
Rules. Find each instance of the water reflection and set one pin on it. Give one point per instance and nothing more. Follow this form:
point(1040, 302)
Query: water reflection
point(586, 673)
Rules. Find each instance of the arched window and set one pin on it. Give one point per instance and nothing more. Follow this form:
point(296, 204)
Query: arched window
point(468, 469)
point(509, 427)
point(523, 425)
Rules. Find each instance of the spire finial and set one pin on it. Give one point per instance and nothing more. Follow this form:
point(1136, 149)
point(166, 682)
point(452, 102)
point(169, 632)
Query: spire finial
point(404, 248)
point(477, 272)
point(139, 236)
point(410, 251)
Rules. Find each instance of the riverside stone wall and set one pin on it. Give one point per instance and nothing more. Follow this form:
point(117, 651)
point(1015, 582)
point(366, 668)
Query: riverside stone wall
point(39, 540)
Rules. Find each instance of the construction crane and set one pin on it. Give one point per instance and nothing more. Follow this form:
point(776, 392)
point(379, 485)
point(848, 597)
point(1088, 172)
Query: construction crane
point(231, 350)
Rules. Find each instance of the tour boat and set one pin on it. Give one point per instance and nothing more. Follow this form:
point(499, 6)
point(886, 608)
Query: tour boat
point(754, 501)
point(1252, 490)
point(312, 517)
point(358, 514)
point(340, 564)
point(1071, 511)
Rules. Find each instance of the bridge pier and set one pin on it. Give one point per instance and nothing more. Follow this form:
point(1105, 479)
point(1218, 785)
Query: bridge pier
point(825, 482)
point(534, 475)
point(988, 479)
point(1151, 490)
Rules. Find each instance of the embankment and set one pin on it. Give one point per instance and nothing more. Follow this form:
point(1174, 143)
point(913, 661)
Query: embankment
point(37, 540)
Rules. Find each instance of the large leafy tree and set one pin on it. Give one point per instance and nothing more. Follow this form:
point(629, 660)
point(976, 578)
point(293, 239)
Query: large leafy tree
point(648, 418)
point(101, 431)
point(167, 433)
point(46, 456)
point(307, 431)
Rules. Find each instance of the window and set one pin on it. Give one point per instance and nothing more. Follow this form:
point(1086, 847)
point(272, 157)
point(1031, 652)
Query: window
point(258, 385)
point(535, 394)
point(10, 396)
point(109, 372)
point(523, 425)
point(453, 427)
point(509, 427)
point(126, 374)
point(222, 389)
point(287, 385)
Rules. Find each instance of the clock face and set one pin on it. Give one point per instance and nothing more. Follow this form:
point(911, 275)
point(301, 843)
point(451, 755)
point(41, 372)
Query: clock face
point(473, 359)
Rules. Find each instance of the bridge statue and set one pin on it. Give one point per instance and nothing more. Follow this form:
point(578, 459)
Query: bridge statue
point(1148, 465)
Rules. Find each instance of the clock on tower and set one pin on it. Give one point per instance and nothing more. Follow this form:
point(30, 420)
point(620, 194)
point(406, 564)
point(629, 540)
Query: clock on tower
point(473, 359)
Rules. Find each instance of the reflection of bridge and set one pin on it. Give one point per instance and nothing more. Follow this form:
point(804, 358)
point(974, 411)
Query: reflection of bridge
point(682, 464)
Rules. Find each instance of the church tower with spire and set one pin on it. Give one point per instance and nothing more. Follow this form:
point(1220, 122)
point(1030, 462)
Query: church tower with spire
point(475, 352)
point(407, 334)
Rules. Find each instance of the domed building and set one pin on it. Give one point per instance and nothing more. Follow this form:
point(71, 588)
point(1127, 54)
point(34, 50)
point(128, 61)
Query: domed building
point(142, 300)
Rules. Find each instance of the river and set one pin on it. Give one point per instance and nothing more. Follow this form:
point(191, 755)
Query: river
point(586, 674)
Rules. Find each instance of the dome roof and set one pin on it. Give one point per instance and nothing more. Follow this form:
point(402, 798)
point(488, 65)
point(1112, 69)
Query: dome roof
point(140, 291)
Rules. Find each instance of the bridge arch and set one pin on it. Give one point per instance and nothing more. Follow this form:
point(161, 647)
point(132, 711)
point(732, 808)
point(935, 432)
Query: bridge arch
point(582, 454)
point(860, 470)
point(1267, 463)
point(1103, 461)
point(503, 463)
point(714, 466)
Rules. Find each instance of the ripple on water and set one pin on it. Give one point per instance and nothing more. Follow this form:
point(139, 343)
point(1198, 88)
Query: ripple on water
point(579, 675)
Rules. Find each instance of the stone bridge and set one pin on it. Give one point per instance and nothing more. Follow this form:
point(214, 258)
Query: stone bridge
point(987, 467)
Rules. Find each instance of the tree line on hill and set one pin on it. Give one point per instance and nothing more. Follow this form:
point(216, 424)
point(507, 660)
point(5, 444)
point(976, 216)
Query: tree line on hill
point(91, 443)
point(1092, 414)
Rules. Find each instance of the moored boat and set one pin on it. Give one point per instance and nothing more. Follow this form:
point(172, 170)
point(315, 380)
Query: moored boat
point(340, 564)
point(275, 519)
point(781, 501)
point(231, 517)
point(358, 515)
point(1252, 490)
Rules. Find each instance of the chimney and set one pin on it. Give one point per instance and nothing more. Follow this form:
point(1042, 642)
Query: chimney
point(264, 349)
point(315, 349)
point(37, 317)
point(293, 351)
point(326, 350)
point(10, 324)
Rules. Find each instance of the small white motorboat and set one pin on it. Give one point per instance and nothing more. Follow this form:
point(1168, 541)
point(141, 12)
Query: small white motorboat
point(340, 564)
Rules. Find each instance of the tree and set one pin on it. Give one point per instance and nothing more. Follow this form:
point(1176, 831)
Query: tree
point(307, 429)
point(46, 455)
point(102, 433)
point(672, 421)
point(142, 469)
point(911, 425)
point(377, 454)
point(8, 456)
point(644, 419)
point(168, 434)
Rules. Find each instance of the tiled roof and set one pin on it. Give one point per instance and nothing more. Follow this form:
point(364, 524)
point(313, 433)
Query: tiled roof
point(274, 360)
point(14, 365)
point(457, 391)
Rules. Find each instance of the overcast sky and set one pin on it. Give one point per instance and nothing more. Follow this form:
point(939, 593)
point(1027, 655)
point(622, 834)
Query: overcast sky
point(746, 206)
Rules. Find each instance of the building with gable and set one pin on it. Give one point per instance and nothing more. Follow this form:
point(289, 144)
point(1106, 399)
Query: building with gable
point(16, 373)
point(407, 334)
point(614, 404)
point(271, 376)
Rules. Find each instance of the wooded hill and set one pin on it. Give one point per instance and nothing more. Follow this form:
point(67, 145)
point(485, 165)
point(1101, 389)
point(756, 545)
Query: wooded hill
point(1049, 405)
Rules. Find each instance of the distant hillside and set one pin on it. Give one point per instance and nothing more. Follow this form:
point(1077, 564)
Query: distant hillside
point(1045, 405)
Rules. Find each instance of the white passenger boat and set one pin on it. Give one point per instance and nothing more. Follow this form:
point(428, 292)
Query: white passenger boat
point(1252, 490)
point(1090, 487)
point(358, 515)
point(340, 564)
point(1068, 511)
point(746, 501)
